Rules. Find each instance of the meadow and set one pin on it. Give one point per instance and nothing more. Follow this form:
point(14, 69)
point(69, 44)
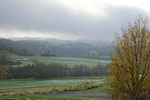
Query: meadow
point(47, 98)
point(14, 88)
point(36, 83)
point(47, 86)
point(65, 60)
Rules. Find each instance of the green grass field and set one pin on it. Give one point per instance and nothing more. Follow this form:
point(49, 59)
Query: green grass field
point(47, 98)
point(35, 83)
point(65, 60)
point(8, 85)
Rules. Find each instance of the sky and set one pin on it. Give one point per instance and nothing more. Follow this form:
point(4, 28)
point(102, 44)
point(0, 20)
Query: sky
point(68, 19)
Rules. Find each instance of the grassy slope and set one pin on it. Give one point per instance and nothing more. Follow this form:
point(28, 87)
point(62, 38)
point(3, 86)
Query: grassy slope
point(65, 60)
point(32, 83)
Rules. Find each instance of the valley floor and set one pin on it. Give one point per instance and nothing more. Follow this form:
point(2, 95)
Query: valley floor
point(54, 89)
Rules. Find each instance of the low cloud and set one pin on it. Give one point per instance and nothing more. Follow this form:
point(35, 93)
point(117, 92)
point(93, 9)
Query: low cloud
point(58, 21)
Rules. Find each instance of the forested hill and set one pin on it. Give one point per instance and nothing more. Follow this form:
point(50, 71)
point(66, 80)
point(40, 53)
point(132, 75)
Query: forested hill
point(66, 48)
point(75, 49)
point(53, 47)
point(83, 50)
point(15, 48)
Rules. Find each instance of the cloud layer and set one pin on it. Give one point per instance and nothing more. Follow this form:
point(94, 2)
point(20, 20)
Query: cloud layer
point(52, 18)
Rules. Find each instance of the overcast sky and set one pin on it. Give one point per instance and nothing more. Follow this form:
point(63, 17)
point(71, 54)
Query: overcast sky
point(68, 19)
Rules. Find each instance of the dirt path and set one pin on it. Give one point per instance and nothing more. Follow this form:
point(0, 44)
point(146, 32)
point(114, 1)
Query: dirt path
point(81, 95)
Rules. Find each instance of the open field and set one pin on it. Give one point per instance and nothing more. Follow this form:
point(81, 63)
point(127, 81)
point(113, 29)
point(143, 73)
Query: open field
point(65, 60)
point(47, 86)
point(47, 98)
point(71, 85)
point(36, 83)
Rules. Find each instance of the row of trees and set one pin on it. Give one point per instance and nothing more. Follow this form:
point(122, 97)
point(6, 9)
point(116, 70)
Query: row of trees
point(41, 70)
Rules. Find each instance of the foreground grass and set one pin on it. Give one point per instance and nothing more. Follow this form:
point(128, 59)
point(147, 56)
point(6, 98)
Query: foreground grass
point(81, 86)
point(37, 83)
point(46, 98)
point(85, 85)
point(65, 60)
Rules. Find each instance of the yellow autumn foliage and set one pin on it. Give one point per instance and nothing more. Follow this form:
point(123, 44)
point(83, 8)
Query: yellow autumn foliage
point(130, 66)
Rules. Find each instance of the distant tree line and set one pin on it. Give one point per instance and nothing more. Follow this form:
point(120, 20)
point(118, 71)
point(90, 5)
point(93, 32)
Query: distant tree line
point(46, 48)
point(41, 70)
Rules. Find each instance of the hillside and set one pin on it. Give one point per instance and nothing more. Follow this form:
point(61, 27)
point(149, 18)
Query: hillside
point(54, 47)
point(65, 48)
point(15, 48)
